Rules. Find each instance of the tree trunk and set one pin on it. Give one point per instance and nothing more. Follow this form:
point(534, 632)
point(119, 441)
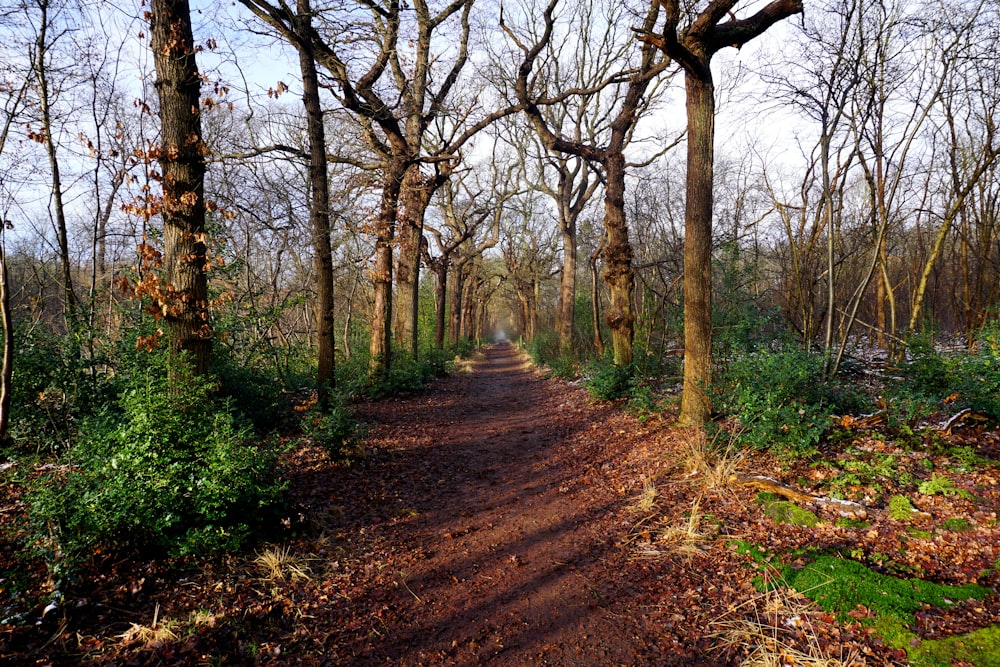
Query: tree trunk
point(595, 301)
point(182, 162)
point(7, 369)
point(440, 301)
point(319, 206)
point(381, 333)
point(618, 272)
point(62, 239)
point(695, 400)
point(455, 302)
point(567, 287)
point(414, 199)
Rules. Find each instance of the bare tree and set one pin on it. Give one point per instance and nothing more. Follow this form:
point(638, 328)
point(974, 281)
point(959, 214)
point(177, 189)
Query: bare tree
point(635, 81)
point(44, 42)
point(712, 29)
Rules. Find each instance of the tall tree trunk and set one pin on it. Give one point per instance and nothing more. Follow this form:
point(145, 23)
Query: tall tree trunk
point(44, 104)
point(695, 402)
point(440, 270)
point(319, 205)
point(455, 298)
point(595, 300)
point(567, 287)
point(182, 162)
point(414, 198)
point(381, 333)
point(7, 369)
point(618, 272)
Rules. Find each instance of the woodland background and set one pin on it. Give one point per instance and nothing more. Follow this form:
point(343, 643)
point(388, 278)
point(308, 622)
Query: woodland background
point(375, 187)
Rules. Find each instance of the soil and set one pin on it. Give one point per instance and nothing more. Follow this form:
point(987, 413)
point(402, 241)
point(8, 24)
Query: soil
point(498, 518)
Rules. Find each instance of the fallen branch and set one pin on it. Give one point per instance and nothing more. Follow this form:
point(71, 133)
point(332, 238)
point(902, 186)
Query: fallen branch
point(845, 508)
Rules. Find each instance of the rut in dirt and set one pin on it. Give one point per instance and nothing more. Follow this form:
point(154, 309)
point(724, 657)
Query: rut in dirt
point(503, 547)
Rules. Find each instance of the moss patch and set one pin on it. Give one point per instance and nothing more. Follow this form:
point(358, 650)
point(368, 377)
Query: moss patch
point(783, 511)
point(957, 525)
point(842, 586)
point(981, 648)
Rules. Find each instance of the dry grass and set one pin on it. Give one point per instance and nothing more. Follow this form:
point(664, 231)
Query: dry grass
point(779, 633)
point(158, 632)
point(279, 564)
point(685, 538)
point(712, 464)
point(646, 502)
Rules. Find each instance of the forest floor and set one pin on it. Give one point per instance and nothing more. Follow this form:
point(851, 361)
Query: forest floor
point(505, 518)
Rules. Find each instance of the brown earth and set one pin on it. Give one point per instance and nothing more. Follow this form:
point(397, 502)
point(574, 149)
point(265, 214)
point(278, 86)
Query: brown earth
point(499, 518)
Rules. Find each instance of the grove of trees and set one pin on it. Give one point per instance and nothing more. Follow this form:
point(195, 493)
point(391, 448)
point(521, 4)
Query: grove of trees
point(328, 194)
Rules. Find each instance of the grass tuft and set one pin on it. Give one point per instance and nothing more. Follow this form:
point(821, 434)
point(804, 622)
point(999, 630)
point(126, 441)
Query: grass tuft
point(279, 564)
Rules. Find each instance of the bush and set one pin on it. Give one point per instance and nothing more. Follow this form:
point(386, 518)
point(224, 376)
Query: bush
point(334, 428)
point(925, 372)
point(54, 387)
point(608, 382)
point(175, 475)
point(975, 376)
point(779, 398)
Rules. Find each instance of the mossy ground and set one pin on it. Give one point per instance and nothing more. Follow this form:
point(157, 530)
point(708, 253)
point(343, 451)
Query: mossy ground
point(841, 586)
point(783, 511)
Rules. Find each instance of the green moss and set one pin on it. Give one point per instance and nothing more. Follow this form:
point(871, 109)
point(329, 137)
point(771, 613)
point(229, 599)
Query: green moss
point(900, 508)
point(845, 522)
point(981, 648)
point(840, 585)
point(783, 511)
point(920, 534)
point(956, 525)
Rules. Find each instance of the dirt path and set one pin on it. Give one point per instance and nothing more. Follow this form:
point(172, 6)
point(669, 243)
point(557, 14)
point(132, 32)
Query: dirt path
point(501, 548)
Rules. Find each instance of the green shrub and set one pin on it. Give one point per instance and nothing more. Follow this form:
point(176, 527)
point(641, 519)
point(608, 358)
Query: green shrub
point(779, 398)
point(976, 376)
point(54, 387)
point(925, 372)
point(334, 428)
point(175, 474)
point(608, 382)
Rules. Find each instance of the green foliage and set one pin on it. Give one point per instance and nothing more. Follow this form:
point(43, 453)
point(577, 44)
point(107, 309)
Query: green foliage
point(174, 474)
point(943, 485)
point(900, 508)
point(840, 586)
point(406, 377)
point(609, 382)
point(956, 525)
point(544, 350)
point(780, 398)
point(925, 371)
point(55, 385)
point(334, 428)
point(980, 648)
point(872, 472)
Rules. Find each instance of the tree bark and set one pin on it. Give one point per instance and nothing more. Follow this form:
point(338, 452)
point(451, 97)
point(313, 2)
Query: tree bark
point(44, 104)
point(7, 369)
point(595, 300)
point(380, 348)
point(618, 272)
point(182, 162)
point(319, 205)
point(695, 401)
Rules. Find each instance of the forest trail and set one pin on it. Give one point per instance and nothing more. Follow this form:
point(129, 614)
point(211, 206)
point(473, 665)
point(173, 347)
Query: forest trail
point(500, 535)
